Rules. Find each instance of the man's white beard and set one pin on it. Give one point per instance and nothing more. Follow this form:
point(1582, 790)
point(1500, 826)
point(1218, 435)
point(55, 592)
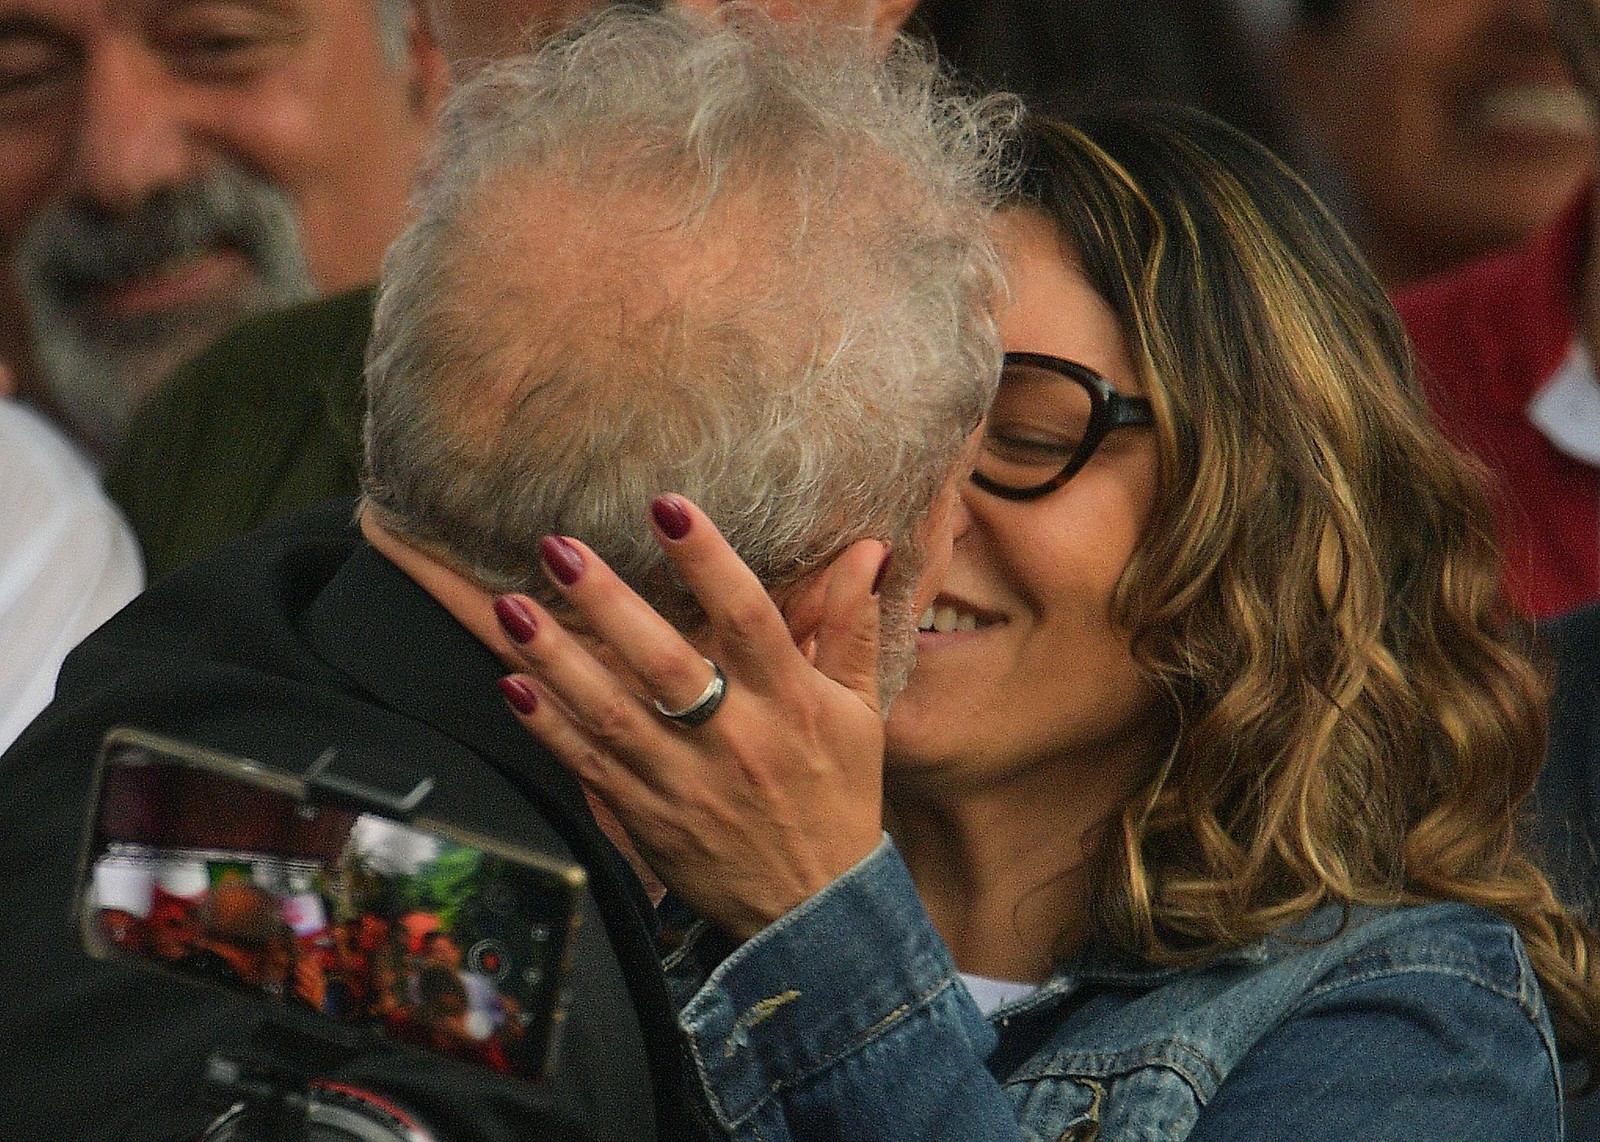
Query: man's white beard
point(99, 368)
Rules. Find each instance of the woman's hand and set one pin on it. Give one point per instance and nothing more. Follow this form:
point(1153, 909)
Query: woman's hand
point(779, 791)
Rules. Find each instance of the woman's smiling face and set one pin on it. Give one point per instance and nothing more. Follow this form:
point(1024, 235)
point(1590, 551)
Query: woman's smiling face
point(1035, 676)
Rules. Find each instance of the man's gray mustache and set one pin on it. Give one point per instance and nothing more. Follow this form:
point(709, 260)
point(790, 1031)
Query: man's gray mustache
point(77, 246)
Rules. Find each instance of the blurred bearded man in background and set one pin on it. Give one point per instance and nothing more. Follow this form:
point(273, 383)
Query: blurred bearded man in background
point(167, 169)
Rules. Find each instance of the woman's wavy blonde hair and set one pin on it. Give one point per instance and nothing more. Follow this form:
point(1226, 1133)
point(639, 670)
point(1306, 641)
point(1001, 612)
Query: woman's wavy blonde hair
point(1316, 594)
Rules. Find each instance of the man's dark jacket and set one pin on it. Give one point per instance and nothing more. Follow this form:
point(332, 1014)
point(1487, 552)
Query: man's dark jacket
point(1567, 801)
point(298, 639)
point(264, 423)
point(1565, 823)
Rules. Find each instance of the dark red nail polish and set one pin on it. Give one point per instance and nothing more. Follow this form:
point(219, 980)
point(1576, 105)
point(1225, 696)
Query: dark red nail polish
point(670, 516)
point(561, 559)
point(518, 695)
point(883, 572)
point(515, 618)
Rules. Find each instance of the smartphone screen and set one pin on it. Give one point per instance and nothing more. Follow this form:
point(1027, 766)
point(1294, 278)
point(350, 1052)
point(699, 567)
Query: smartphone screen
point(215, 868)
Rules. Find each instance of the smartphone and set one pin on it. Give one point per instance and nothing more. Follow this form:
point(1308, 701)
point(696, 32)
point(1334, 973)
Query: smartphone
point(309, 896)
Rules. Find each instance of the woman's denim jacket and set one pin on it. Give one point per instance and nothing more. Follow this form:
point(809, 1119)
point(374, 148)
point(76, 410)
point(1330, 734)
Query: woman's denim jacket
point(846, 1020)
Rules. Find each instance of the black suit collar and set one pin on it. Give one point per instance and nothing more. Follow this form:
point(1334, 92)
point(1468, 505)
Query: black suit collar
point(413, 657)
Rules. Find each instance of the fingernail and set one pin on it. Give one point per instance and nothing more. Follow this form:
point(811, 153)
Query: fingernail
point(515, 618)
point(883, 571)
point(561, 559)
point(670, 516)
point(518, 694)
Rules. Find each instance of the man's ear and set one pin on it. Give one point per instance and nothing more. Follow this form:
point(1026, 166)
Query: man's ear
point(802, 609)
point(430, 74)
point(805, 606)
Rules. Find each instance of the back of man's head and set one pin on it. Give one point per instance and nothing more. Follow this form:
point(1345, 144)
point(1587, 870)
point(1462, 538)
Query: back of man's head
point(746, 264)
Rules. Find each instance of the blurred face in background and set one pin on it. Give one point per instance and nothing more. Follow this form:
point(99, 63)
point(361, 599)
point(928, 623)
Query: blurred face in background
point(472, 31)
point(170, 166)
point(1453, 124)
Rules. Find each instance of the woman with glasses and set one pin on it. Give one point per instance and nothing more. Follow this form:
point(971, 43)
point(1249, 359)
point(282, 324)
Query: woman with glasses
point(1202, 792)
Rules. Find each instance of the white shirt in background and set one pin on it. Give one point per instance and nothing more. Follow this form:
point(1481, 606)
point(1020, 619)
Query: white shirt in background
point(68, 561)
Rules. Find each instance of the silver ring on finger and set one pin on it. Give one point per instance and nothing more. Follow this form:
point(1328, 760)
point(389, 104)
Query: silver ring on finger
point(700, 710)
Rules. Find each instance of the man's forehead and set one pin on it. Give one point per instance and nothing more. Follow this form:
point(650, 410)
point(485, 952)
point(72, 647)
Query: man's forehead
point(66, 14)
point(71, 15)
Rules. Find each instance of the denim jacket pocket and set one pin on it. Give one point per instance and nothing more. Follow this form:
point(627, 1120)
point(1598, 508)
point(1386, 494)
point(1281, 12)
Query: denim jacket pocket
point(1128, 1097)
point(1073, 1107)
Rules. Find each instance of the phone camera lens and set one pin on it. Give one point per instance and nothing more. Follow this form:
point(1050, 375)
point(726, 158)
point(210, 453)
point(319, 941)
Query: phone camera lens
point(491, 958)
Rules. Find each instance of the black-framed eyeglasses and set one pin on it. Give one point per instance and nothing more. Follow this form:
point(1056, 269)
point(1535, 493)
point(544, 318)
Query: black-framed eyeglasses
point(1049, 416)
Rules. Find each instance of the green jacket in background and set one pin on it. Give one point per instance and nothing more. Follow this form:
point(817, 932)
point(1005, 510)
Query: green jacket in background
point(268, 420)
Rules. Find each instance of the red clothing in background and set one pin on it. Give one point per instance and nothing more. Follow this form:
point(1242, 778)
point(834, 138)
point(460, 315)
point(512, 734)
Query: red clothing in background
point(1490, 336)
